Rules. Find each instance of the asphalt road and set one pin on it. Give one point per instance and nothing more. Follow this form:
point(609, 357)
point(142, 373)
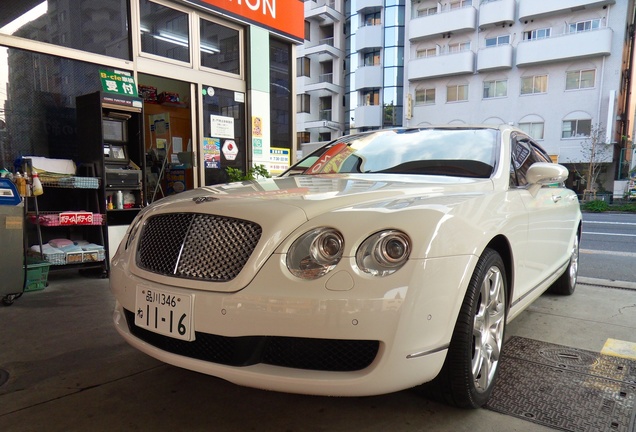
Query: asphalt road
point(608, 246)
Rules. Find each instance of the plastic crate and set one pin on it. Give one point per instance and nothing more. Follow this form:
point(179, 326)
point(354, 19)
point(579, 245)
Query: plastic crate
point(37, 274)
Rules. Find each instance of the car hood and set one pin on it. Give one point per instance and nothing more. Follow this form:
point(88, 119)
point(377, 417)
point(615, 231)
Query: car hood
point(283, 205)
point(317, 194)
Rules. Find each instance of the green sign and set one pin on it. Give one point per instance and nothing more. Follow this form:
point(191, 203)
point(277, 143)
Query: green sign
point(115, 82)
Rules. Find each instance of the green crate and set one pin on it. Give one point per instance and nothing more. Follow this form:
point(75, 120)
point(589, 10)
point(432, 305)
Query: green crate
point(37, 274)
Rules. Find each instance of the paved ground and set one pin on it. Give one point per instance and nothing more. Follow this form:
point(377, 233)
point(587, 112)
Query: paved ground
point(68, 370)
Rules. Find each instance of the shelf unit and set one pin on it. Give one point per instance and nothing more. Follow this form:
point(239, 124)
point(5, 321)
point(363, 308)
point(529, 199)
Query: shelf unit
point(61, 202)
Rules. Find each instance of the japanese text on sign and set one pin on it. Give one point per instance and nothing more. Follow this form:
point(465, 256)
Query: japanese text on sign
point(113, 82)
point(221, 127)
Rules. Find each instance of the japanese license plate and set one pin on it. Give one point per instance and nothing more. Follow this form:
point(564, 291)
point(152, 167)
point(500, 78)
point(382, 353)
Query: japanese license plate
point(164, 312)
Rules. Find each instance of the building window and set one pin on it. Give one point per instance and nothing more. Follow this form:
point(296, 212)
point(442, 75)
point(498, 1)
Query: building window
point(457, 4)
point(456, 93)
point(576, 128)
point(425, 96)
point(99, 28)
point(326, 72)
point(302, 138)
point(426, 11)
point(582, 26)
point(426, 52)
point(534, 84)
point(372, 58)
point(165, 32)
point(303, 67)
point(495, 89)
point(371, 97)
point(535, 130)
point(372, 19)
point(498, 40)
point(536, 34)
point(459, 47)
point(325, 108)
point(302, 103)
point(324, 136)
point(219, 47)
point(307, 30)
point(580, 79)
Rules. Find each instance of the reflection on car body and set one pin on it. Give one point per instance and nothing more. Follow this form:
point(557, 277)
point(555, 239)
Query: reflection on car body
point(382, 261)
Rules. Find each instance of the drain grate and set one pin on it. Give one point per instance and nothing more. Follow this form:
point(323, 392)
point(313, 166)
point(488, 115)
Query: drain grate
point(565, 388)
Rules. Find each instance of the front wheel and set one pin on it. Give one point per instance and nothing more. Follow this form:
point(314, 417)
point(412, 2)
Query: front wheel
point(472, 363)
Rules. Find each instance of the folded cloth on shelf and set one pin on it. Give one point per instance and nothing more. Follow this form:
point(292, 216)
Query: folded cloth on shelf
point(90, 246)
point(61, 242)
point(47, 249)
point(53, 166)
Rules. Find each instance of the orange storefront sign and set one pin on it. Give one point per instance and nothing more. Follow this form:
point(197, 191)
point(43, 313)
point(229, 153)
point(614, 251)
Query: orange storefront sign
point(286, 17)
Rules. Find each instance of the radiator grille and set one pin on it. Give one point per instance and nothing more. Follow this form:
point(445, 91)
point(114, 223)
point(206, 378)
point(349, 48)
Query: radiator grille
point(196, 246)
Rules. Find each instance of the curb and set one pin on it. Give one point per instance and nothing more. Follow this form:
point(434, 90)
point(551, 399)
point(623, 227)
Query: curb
point(606, 282)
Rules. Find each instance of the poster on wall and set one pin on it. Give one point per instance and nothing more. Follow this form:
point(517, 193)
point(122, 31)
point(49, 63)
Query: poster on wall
point(257, 127)
point(175, 180)
point(230, 150)
point(221, 126)
point(212, 152)
point(279, 159)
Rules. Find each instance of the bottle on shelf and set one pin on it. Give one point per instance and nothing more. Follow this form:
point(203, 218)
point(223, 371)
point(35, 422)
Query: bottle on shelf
point(20, 183)
point(119, 201)
point(36, 184)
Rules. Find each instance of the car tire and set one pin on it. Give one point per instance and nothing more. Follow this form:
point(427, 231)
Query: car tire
point(566, 283)
point(471, 367)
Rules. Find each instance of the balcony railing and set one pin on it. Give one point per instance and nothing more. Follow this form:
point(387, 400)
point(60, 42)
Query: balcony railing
point(593, 43)
point(496, 13)
point(325, 11)
point(495, 58)
point(448, 64)
point(326, 78)
point(453, 21)
point(531, 9)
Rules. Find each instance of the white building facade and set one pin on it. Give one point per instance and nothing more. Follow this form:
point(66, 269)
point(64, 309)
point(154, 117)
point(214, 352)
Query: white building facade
point(560, 70)
point(320, 74)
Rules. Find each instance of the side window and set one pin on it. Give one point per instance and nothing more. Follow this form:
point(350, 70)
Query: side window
point(524, 154)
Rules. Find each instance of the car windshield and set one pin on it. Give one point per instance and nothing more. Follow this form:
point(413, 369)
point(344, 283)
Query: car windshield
point(450, 152)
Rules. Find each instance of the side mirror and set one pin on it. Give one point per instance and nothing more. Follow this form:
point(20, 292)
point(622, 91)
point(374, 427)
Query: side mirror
point(544, 173)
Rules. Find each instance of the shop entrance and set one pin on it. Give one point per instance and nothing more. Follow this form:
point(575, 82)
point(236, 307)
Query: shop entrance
point(168, 137)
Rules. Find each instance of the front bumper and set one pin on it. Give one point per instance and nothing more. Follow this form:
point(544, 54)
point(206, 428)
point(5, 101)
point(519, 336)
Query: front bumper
point(409, 320)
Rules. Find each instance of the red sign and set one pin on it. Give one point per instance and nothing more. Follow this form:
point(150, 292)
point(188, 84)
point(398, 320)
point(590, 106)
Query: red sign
point(76, 218)
point(286, 17)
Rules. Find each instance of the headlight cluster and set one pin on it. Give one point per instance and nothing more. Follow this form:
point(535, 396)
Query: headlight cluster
point(314, 253)
point(318, 251)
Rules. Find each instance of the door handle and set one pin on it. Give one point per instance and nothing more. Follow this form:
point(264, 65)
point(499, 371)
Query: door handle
point(556, 198)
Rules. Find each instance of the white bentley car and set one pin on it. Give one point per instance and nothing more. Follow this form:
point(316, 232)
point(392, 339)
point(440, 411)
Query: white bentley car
point(383, 261)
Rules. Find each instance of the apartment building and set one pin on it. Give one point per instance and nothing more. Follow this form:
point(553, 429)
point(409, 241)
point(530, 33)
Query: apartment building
point(320, 74)
point(560, 70)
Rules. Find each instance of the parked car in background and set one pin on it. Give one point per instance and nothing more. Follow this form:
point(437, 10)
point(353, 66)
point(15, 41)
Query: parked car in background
point(382, 261)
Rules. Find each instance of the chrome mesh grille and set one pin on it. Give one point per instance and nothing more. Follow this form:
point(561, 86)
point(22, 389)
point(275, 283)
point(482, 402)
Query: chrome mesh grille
point(196, 246)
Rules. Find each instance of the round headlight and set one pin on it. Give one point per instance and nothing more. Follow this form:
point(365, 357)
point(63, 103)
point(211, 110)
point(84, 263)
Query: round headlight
point(327, 247)
point(383, 253)
point(315, 253)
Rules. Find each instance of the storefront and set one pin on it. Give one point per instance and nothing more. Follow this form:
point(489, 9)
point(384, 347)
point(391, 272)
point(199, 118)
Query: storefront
point(214, 79)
